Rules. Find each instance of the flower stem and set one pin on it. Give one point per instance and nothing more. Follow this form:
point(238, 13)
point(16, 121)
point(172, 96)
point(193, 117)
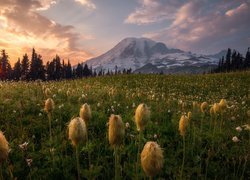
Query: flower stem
point(138, 154)
point(183, 157)
point(50, 131)
point(1, 173)
point(77, 163)
point(117, 164)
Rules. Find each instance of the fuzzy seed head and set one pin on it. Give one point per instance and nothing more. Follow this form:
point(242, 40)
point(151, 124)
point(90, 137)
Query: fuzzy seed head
point(4, 147)
point(183, 125)
point(152, 158)
point(223, 104)
point(211, 111)
point(204, 107)
point(216, 108)
point(49, 105)
point(77, 131)
point(47, 92)
point(116, 130)
point(85, 113)
point(142, 116)
point(68, 93)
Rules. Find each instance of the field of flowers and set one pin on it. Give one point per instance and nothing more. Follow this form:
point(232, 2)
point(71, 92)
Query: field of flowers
point(193, 139)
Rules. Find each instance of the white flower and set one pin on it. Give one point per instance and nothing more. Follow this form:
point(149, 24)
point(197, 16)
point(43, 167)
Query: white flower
point(24, 146)
point(14, 111)
point(40, 114)
point(127, 125)
point(29, 162)
point(155, 136)
point(98, 104)
point(133, 105)
point(239, 129)
point(235, 139)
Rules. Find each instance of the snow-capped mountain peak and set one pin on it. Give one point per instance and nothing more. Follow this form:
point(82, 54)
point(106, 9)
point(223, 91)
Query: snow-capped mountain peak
point(135, 53)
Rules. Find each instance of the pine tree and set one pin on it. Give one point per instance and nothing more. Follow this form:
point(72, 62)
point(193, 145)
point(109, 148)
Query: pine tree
point(228, 60)
point(79, 70)
point(37, 70)
point(247, 59)
point(69, 71)
point(58, 68)
point(33, 64)
point(86, 71)
point(25, 67)
point(5, 67)
point(17, 70)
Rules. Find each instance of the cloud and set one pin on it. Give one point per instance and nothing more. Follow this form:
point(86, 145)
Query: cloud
point(23, 27)
point(46, 4)
point(87, 3)
point(199, 28)
point(151, 11)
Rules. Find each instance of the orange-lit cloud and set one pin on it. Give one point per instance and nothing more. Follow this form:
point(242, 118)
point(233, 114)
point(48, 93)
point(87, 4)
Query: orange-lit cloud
point(22, 28)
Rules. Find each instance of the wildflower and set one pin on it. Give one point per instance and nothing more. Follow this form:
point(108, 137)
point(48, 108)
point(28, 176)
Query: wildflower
point(68, 93)
point(47, 92)
point(211, 111)
point(29, 162)
point(239, 129)
point(183, 125)
point(216, 108)
point(204, 107)
point(116, 130)
point(127, 125)
point(98, 104)
point(155, 136)
point(233, 118)
point(85, 113)
point(152, 158)
point(235, 139)
point(4, 147)
point(77, 131)
point(223, 104)
point(24, 146)
point(49, 105)
point(133, 105)
point(142, 116)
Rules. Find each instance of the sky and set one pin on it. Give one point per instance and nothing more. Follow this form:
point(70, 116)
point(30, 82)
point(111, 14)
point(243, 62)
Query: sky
point(81, 29)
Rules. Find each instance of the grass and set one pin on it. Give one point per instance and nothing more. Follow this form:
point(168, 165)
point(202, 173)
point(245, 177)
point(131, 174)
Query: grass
point(209, 154)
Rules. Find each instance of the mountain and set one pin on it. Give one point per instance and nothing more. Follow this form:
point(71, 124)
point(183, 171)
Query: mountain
point(147, 56)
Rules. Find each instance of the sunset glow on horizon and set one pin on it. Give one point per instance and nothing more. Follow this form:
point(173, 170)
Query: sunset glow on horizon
point(81, 29)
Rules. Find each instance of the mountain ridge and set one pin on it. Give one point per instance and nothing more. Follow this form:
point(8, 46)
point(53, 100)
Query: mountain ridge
point(135, 53)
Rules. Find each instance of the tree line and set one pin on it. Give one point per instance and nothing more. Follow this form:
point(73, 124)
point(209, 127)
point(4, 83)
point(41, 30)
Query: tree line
point(56, 69)
point(234, 61)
